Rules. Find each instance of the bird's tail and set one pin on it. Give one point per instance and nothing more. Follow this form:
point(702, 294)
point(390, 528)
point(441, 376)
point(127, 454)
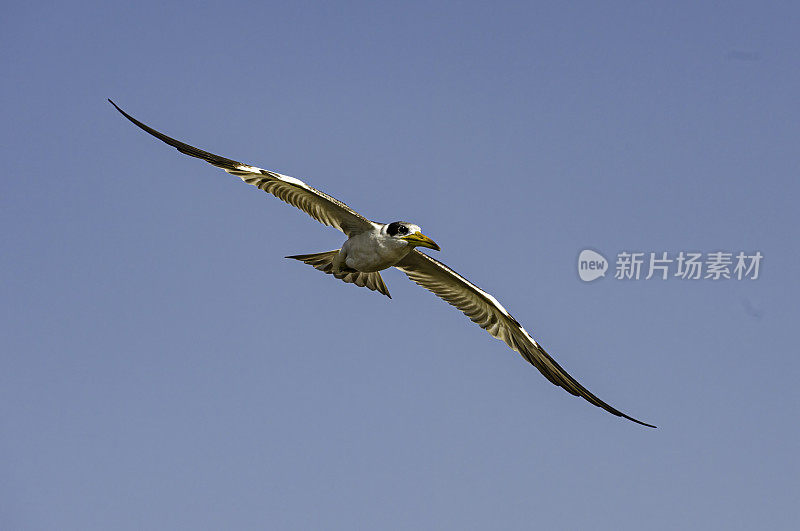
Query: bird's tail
point(324, 262)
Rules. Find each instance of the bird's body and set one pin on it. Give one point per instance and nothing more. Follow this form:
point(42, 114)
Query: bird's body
point(371, 251)
point(378, 249)
point(372, 247)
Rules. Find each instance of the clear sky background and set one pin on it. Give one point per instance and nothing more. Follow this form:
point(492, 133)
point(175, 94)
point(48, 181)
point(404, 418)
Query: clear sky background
point(164, 367)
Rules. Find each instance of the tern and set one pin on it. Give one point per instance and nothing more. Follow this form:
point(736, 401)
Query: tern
point(372, 247)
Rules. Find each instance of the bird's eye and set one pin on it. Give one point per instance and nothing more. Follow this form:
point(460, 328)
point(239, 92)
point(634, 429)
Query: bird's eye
point(402, 230)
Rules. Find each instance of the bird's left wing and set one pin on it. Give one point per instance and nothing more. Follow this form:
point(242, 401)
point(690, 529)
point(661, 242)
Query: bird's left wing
point(485, 311)
point(318, 205)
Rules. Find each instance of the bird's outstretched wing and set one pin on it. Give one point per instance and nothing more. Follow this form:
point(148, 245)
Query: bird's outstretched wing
point(485, 311)
point(318, 205)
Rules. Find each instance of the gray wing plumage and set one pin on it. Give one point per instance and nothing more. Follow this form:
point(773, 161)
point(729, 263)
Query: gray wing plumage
point(318, 205)
point(486, 312)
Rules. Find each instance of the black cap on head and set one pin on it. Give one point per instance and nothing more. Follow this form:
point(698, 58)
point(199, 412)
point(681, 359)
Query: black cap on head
point(397, 228)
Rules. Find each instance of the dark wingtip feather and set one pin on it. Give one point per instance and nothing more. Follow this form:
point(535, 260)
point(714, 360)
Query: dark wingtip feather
point(186, 149)
point(117, 107)
point(642, 423)
point(637, 421)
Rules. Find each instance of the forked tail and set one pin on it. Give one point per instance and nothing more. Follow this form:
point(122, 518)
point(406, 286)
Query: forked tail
point(324, 262)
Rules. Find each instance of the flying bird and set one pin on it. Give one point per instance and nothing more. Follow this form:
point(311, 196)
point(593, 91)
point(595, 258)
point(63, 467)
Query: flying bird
point(372, 247)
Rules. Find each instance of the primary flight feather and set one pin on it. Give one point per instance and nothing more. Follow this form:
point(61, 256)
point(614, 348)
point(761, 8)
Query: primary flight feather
point(372, 247)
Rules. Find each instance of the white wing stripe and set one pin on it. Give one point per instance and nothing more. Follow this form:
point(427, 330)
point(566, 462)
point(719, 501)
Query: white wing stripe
point(318, 205)
point(484, 310)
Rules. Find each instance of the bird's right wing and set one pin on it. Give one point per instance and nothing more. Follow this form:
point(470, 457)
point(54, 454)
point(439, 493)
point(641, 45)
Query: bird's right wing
point(486, 312)
point(318, 205)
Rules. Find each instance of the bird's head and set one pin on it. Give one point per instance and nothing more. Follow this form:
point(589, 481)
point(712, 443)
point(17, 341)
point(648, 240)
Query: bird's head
point(411, 234)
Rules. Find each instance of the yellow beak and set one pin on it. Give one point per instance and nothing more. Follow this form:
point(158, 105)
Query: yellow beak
point(420, 240)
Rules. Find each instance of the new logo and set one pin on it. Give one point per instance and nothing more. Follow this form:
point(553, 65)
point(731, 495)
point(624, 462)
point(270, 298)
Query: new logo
point(591, 265)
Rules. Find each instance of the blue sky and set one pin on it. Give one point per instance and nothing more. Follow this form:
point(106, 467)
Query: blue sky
point(164, 367)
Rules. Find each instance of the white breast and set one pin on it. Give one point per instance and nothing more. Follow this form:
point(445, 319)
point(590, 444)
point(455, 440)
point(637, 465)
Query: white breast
point(373, 251)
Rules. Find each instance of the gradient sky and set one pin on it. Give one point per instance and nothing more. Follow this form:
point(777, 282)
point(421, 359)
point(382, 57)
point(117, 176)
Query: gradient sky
point(164, 367)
